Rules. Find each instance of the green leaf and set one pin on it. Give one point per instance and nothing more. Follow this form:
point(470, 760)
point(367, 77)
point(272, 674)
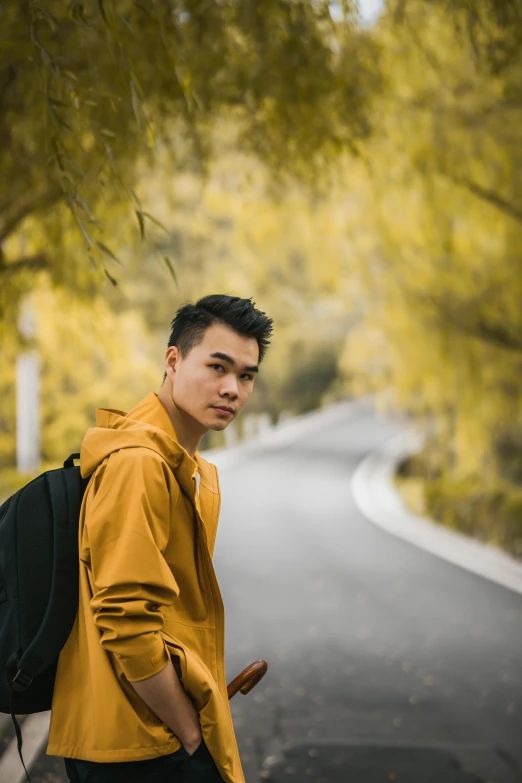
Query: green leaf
point(83, 204)
point(80, 225)
point(56, 119)
point(110, 277)
point(134, 79)
point(78, 12)
point(124, 20)
point(46, 57)
point(135, 104)
point(101, 6)
point(91, 259)
point(156, 221)
point(141, 221)
point(67, 177)
point(59, 104)
point(108, 252)
point(142, 8)
point(171, 269)
point(135, 198)
point(57, 153)
point(48, 16)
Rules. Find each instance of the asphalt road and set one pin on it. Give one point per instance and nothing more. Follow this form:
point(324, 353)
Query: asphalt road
point(385, 662)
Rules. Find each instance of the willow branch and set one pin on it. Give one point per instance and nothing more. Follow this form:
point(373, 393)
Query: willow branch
point(26, 204)
point(33, 263)
point(486, 194)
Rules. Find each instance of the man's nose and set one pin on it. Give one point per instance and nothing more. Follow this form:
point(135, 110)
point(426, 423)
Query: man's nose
point(230, 387)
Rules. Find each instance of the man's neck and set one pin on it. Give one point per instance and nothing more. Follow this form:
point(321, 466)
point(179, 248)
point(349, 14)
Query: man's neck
point(183, 425)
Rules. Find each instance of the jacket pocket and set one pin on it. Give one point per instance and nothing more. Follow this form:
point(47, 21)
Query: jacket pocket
point(177, 656)
point(196, 678)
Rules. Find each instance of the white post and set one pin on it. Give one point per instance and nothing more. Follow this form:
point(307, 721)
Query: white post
point(264, 422)
point(231, 435)
point(27, 398)
point(249, 426)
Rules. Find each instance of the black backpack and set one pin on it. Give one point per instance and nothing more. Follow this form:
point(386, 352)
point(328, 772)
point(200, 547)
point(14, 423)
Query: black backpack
point(39, 572)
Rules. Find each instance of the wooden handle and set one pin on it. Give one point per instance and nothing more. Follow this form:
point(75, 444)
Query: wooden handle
point(246, 679)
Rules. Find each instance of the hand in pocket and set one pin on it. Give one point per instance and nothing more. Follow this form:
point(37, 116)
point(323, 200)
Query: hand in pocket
point(202, 767)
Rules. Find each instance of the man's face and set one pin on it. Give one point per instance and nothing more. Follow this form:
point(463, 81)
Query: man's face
point(216, 375)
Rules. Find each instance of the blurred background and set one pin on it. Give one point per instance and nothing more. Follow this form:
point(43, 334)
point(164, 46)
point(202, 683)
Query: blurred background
point(353, 167)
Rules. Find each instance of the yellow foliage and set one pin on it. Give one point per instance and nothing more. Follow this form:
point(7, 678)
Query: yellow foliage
point(437, 243)
point(90, 356)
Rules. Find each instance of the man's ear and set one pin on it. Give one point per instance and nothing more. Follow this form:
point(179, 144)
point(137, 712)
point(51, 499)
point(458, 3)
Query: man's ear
point(171, 360)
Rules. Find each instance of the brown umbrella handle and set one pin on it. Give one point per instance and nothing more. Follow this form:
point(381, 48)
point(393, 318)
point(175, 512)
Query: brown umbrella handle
point(246, 679)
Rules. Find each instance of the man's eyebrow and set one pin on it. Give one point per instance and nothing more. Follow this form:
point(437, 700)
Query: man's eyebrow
point(226, 358)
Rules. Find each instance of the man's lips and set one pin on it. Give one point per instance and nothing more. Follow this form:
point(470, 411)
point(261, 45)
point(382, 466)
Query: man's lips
point(221, 409)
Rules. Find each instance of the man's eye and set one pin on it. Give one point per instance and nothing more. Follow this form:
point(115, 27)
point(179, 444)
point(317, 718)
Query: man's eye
point(218, 366)
point(247, 376)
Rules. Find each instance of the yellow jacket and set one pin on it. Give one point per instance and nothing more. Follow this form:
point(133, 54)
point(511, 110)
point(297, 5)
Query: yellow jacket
point(147, 591)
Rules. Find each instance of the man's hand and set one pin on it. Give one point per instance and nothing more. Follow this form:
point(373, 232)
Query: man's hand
point(166, 697)
point(191, 747)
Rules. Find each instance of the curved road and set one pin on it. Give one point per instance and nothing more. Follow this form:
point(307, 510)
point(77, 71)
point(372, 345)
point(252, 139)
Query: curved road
point(385, 663)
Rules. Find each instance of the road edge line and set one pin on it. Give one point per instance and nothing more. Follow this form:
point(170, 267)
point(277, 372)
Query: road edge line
point(380, 502)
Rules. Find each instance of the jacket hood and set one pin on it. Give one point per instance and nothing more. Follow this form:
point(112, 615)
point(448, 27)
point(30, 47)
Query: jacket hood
point(148, 426)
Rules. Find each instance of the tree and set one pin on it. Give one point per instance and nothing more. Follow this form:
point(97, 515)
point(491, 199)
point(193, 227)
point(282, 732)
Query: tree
point(492, 29)
point(91, 89)
point(438, 222)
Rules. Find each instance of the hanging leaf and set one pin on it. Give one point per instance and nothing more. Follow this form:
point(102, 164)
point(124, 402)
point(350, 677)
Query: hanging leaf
point(48, 16)
point(141, 221)
point(171, 269)
point(143, 8)
point(83, 204)
point(108, 252)
point(91, 259)
point(150, 137)
point(113, 280)
point(101, 6)
point(156, 221)
point(56, 119)
point(135, 103)
point(79, 222)
point(135, 198)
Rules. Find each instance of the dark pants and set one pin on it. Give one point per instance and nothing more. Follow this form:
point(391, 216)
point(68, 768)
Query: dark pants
point(178, 767)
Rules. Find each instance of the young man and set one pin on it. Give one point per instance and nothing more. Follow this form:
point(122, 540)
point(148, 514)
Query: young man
point(140, 689)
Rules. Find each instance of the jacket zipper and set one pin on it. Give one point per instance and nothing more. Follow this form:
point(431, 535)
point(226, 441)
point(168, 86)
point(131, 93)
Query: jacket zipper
point(220, 624)
point(217, 601)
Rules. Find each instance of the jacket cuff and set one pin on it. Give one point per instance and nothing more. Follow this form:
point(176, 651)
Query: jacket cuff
point(142, 666)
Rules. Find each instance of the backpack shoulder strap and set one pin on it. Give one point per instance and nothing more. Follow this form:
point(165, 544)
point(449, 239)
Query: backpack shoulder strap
point(66, 489)
point(69, 462)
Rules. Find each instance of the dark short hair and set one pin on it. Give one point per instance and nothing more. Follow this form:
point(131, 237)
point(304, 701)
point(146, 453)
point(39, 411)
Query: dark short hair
point(192, 320)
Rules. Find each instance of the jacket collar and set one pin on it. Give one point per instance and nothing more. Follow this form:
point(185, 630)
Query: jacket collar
point(151, 411)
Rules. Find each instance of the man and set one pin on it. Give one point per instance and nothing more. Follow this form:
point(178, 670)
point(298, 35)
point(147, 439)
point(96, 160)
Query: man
point(140, 690)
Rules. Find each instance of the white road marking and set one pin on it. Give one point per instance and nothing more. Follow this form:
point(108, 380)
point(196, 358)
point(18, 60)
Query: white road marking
point(5, 721)
point(379, 501)
point(34, 733)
